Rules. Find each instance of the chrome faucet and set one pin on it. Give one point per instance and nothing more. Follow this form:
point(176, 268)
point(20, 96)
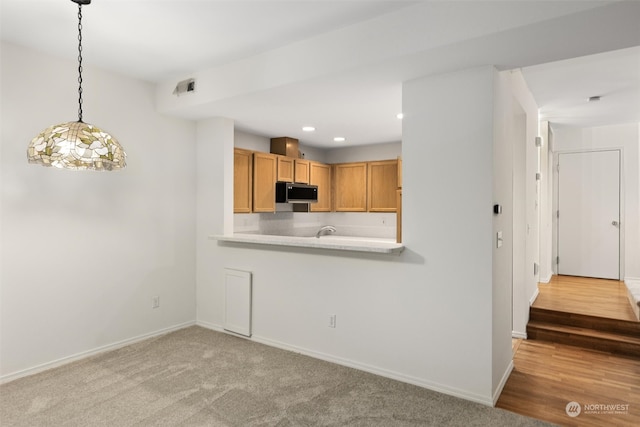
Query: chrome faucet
point(325, 230)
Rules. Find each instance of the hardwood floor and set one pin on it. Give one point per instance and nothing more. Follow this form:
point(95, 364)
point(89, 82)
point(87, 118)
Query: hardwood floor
point(584, 295)
point(548, 376)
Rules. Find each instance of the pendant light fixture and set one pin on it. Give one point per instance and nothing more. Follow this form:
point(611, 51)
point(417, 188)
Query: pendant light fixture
point(77, 145)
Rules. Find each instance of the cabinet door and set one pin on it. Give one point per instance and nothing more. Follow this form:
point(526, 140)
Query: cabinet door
point(285, 169)
point(320, 175)
point(382, 183)
point(242, 180)
point(301, 171)
point(264, 182)
point(350, 187)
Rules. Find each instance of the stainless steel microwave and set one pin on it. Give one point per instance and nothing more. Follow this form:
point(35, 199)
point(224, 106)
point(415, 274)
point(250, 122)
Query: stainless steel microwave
point(289, 192)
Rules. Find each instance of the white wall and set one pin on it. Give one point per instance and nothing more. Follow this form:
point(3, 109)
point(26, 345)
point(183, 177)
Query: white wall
point(448, 136)
point(84, 252)
point(546, 203)
point(516, 129)
point(215, 143)
point(427, 317)
point(504, 115)
point(365, 153)
point(515, 123)
point(250, 141)
point(358, 153)
point(424, 317)
point(627, 138)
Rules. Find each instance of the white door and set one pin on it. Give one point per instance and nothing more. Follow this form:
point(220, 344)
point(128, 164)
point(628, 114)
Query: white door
point(589, 214)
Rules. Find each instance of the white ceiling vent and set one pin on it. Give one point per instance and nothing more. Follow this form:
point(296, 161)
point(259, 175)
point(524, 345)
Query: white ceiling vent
point(185, 86)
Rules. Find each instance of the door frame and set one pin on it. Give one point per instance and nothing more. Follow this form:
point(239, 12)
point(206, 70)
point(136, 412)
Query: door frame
point(519, 272)
point(556, 201)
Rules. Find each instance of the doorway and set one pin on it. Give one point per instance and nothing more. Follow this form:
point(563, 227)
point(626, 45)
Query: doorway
point(588, 214)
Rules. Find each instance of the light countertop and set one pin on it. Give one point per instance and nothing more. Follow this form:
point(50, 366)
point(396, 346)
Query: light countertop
point(340, 243)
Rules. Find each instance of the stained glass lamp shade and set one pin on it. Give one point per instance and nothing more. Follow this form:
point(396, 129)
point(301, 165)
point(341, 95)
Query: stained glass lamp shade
point(77, 145)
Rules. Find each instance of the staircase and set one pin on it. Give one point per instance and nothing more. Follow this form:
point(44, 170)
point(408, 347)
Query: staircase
point(597, 333)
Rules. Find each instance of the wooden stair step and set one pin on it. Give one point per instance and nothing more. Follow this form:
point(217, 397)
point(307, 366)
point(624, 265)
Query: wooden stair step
point(626, 327)
point(585, 337)
point(585, 331)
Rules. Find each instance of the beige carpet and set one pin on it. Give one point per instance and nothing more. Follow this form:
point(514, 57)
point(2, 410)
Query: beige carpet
point(198, 377)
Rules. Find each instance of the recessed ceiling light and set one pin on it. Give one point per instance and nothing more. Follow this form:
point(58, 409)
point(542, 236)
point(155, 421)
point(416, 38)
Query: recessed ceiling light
point(308, 128)
point(400, 116)
point(339, 139)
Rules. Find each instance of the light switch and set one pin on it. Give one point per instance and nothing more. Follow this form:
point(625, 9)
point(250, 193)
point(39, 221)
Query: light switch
point(499, 239)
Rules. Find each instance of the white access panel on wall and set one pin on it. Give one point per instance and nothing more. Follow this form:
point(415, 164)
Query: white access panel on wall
point(237, 301)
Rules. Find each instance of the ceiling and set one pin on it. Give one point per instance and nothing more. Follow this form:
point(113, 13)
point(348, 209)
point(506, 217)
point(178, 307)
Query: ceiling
point(562, 89)
point(357, 53)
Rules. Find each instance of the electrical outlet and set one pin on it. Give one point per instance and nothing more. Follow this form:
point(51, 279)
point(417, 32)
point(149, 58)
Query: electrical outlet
point(332, 320)
point(155, 302)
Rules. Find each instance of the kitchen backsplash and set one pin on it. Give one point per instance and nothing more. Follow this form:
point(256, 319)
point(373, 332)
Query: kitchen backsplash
point(357, 224)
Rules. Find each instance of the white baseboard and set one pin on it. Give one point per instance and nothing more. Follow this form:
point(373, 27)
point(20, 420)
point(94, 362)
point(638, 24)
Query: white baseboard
point(534, 296)
point(359, 366)
point(503, 382)
point(633, 283)
point(212, 326)
point(547, 278)
point(272, 343)
point(82, 355)
point(518, 334)
point(378, 371)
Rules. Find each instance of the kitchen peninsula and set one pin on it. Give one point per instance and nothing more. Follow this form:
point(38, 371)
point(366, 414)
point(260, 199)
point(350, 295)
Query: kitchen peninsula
point(339, 243)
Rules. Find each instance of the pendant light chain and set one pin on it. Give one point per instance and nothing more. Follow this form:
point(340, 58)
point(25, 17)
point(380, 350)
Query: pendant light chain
point(79, 62)
point(77, 145)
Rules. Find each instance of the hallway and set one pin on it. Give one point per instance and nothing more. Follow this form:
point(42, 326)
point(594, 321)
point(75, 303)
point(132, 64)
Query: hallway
point(548, 376)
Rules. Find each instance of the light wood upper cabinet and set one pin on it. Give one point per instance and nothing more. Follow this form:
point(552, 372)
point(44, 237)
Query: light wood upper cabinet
point(293, 170)
point(350, 187)
point(242, 180)
point(382, 183)
point(301, 171)
point(285, 168)
point(343, 187)
point(264, 182)
point(320, 175)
